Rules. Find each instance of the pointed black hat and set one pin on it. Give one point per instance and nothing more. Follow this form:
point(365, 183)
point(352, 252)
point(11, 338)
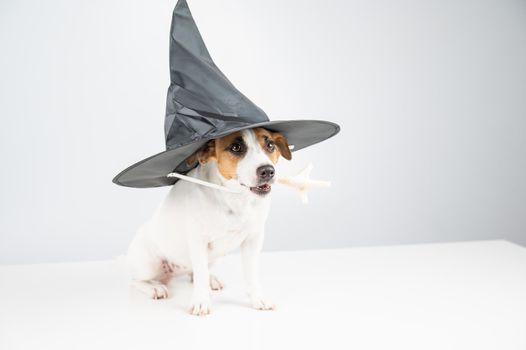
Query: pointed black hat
point(202, 104)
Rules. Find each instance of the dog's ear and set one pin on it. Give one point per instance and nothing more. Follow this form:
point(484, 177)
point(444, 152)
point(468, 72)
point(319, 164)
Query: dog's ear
point(282, 144)
point(208, 152)
point(203, 155)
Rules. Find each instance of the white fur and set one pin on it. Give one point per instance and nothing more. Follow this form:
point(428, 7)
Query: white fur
point(196, 225)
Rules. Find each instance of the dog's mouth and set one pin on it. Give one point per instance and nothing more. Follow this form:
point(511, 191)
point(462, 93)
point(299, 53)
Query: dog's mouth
point(261, 190)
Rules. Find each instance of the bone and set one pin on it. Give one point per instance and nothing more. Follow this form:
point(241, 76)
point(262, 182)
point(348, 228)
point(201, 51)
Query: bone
point(301, 182)
point(201, 182)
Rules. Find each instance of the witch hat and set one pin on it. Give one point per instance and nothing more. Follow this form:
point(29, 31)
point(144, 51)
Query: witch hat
point(202, 104)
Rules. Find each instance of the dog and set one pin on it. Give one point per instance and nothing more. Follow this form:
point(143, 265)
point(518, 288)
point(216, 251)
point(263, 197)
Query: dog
point(195, 225)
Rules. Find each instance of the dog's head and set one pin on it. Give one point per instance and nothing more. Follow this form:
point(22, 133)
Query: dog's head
point(246, 158)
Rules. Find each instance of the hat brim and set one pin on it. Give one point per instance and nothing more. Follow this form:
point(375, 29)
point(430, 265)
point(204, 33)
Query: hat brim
point(152, 171)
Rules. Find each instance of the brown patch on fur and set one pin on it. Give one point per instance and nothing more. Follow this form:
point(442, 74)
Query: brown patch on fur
point(226, 161)
point(205, 154)
point(218, 150)
point(283, 145)
point(280, 141)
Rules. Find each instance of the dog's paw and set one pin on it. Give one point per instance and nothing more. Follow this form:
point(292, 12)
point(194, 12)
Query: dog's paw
point(153, 289)
point(215, 283)
point(159, 291)
point(200, 306)
point(260, 303)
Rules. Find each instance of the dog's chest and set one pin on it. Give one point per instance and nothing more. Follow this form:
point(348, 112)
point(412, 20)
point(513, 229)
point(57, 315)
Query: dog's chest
point(231, 221)
point(234, 224)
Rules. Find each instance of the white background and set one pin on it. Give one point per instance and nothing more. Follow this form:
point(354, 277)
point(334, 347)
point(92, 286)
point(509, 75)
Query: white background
point(431, 97)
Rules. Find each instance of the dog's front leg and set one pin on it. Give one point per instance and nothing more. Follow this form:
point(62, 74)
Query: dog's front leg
point(201, 277)
point(250, 250)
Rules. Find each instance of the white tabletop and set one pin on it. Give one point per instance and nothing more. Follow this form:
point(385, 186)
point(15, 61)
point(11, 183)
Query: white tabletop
point(436, 296)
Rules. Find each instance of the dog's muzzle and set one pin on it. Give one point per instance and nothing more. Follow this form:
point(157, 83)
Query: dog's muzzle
point(261, 189)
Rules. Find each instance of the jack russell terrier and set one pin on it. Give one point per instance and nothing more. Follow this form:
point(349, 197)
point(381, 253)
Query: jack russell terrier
point(179, 240)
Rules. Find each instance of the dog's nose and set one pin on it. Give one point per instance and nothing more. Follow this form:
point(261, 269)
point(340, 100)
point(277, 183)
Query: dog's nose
point(265, 172)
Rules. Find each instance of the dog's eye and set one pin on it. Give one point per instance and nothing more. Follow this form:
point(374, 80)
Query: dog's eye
point(236, 147)
point(270, 146)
